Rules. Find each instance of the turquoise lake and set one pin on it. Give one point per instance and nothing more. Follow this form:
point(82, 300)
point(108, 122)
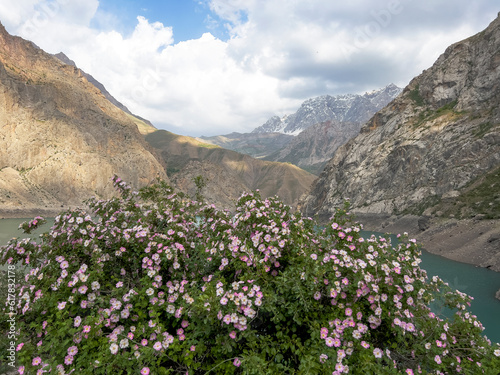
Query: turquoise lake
point(477, 282)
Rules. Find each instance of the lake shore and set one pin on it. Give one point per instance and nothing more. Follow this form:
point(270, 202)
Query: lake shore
point(21, 213)
point(473, 241)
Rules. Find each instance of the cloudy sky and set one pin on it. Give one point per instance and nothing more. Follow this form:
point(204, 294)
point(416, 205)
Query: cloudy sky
point(207, 67)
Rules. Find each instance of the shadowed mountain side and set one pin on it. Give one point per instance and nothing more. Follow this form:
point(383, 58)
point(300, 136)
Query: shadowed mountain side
point(257, 145)
point(61, 140)
point(315, 146)
point(285, 180)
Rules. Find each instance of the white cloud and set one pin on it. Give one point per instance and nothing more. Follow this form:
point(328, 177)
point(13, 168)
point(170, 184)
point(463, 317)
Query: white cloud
point(279, 53)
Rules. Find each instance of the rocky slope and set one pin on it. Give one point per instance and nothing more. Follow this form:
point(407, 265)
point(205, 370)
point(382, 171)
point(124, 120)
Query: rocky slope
point(429, 162)
point(439, 135)
point(145, 126)
point(61, 140)
point(342, 108)
point(315, 146)
point(226, 172)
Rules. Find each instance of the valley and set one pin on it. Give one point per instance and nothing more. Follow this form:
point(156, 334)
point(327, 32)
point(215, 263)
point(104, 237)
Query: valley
point(423, 159)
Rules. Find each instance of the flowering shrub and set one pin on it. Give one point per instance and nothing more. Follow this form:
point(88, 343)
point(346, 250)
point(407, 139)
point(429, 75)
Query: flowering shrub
point(153, 283)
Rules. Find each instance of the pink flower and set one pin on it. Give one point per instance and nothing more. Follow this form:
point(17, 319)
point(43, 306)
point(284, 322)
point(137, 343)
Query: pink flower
point(437, 359)
point(68, 360)
point(36, 361)
point(157, 345)
point(78, 321)
point(72, 350)
point(82, 289)
point(21, 370)
point(324, 332)
point(237, 362)
point(144, 342)
point(377, 353)
point(329, 341)
point(145, 371)
point(232, 334)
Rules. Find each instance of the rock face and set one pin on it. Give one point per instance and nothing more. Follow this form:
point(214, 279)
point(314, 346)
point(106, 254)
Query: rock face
point(342, 108)
point(227, 173)
point(440, 134)
point(315, 146)
point(61, 140)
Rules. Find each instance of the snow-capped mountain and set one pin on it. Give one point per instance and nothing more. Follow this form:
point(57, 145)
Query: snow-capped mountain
point(352, 108)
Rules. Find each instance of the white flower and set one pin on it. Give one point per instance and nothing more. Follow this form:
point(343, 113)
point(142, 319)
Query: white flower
point(113, 348)
point(124, 343)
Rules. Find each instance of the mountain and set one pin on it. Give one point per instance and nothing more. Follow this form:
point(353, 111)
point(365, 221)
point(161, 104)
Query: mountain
point(145, 126)
point(61, 139)
point(227, 173)
point(434, 150)
point(342, 108)
point(257, 145)
point(315, 146)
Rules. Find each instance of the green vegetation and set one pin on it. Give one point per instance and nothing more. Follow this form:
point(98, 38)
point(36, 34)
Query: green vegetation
point(484, 128)
point(200, 183)
point(207, 145)
point(416, 97)
point(153, 283)
point(420, 207)
point(480, 196)
point(446, 110)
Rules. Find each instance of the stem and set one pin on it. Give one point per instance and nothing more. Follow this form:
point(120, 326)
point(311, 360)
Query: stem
point(230, 359)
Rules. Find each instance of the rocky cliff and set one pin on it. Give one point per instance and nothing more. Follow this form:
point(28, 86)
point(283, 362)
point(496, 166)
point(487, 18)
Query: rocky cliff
point(61, 140)
point(227, 173)
point(429, 144)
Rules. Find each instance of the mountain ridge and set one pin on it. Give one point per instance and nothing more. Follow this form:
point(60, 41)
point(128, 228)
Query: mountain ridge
point(342, 108)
